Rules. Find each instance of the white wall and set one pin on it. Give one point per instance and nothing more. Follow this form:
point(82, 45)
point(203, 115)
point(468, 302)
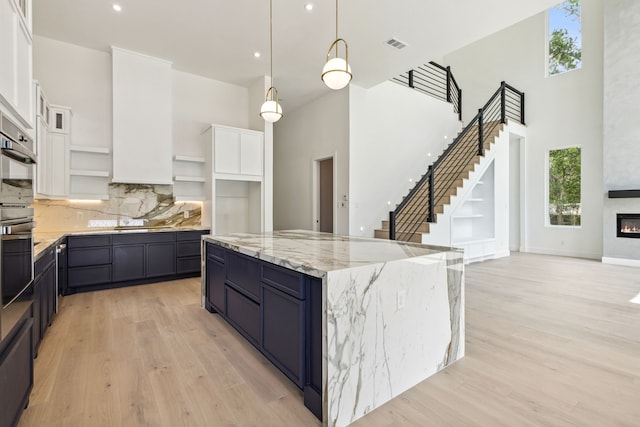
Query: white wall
point(393, 129)
point(79, 78)
point(198, 102)
point(561, 111)
point(622, 128)
point(318, 129)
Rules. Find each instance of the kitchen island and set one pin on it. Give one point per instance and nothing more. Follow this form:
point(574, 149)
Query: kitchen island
point(352, 321)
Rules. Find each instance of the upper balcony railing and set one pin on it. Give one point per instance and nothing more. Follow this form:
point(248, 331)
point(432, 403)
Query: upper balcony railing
point(435, 80)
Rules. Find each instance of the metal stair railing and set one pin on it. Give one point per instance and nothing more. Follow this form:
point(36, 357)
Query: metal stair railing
point(440, 180)
point(434, 80)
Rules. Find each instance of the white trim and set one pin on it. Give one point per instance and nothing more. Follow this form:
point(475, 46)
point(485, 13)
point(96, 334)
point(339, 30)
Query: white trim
point(547, 166)
point(547, 251)
point(621, 261)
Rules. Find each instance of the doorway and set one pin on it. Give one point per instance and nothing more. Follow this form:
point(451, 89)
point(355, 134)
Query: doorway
point(325, 193)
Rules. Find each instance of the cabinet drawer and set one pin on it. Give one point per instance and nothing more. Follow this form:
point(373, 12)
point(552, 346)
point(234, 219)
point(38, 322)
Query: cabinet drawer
point(243, 273)
point(188, 265)
point(188, 248)
point(16, 373)
point(137, 238)
point(86, 276)
point(244, 314)
point(286, 280)
point(88, 256)
point(88, 241)
point(215, 252)
point(195, 235)
point(44, 261)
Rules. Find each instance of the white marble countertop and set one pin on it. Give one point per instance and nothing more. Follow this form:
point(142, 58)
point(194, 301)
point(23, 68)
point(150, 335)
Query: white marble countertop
point(315, 253)
point(45, 239)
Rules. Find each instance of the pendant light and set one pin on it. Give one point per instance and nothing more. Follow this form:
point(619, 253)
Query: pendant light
point(336, 73)
point(271, 110)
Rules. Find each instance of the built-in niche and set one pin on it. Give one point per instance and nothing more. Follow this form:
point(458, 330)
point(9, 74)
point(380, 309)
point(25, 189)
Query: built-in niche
point(238, 206)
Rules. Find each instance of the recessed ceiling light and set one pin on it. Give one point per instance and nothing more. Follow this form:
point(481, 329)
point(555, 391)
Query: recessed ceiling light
point(117, 8)
point(256, 54)
point(309, 6)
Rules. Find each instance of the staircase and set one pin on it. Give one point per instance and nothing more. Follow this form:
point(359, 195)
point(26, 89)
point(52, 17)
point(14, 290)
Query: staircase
point(447, 175)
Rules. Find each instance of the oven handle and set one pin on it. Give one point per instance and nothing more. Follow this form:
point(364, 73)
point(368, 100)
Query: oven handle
point(10, 230)
point(17, 151)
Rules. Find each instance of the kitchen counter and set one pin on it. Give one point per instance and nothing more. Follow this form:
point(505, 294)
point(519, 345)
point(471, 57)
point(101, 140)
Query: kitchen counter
point(392, 312)
point(43, 240)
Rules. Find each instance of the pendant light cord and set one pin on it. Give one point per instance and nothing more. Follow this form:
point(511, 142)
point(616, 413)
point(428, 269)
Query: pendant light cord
point(336, 19)
point(271, 41)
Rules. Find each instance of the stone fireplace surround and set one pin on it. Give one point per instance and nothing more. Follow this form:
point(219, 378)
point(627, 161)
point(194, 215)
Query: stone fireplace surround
point(620, 250)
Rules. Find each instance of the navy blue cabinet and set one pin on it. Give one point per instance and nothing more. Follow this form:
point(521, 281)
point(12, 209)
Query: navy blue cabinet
point(277, 309)
point(214, 279)
point(283, 332)
point(107, 261)
point(89, 261)
point(44, 295)
point(188, 247)
point(161, 259)
point(128, 262)
point(16, 370)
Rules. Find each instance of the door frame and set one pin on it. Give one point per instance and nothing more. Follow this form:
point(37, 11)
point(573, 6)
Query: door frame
point(315, 190)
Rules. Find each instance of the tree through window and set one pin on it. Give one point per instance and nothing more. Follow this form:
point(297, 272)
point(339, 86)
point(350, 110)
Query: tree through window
point(564, 187)
point(565, 37)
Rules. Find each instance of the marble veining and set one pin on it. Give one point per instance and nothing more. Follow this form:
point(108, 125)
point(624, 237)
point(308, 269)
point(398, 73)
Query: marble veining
point(129, 205)
point(315, 253)
point(373, 348)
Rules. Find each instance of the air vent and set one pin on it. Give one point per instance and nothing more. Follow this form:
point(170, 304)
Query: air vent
point(394, 42)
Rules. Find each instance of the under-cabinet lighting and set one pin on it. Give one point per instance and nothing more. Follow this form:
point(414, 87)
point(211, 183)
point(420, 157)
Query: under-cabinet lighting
point(117, 7)
point(636, 299)
point(256, 54)
point(84, 201)
point(308, 7)
point(179, 202)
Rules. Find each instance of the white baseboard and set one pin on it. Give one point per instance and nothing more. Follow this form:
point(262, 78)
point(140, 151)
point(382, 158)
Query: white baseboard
point(621, 261)
point(547, 251)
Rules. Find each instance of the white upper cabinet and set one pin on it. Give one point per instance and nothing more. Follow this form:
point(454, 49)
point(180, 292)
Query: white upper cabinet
point(142, 118)
point(238, 151)
point(16, 73)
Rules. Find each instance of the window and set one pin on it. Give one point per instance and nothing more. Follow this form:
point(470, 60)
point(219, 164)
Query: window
point(565, 37)
point(564, 187)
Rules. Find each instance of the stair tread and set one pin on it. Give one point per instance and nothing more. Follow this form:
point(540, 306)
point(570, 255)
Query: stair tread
point(449, 177)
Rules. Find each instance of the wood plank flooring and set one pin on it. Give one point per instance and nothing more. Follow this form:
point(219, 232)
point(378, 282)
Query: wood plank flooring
point(550, 341)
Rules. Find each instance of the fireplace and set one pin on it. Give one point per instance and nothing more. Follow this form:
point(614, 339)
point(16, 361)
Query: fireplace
point(628, 225)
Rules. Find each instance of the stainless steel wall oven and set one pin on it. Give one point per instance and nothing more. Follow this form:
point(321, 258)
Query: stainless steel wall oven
point(16, 222)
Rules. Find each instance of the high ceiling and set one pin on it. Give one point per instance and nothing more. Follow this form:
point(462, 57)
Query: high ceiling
point(217, 38)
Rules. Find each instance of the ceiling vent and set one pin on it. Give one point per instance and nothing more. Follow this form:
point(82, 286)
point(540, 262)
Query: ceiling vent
point(398, 44)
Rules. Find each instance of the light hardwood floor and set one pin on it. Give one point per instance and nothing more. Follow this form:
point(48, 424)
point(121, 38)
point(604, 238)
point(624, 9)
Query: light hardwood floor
point(550, 341)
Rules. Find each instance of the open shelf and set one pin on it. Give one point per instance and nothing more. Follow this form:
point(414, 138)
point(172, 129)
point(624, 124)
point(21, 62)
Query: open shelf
point(80, 172)
point(87, 149)
point(193, 159)
point(189, 178)
point(468, 216)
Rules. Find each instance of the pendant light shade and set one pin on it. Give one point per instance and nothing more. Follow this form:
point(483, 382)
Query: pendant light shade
point(271, 110)
point(336, 72)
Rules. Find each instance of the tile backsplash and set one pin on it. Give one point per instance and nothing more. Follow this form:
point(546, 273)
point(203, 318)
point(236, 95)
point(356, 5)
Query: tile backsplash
point(128, 205)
